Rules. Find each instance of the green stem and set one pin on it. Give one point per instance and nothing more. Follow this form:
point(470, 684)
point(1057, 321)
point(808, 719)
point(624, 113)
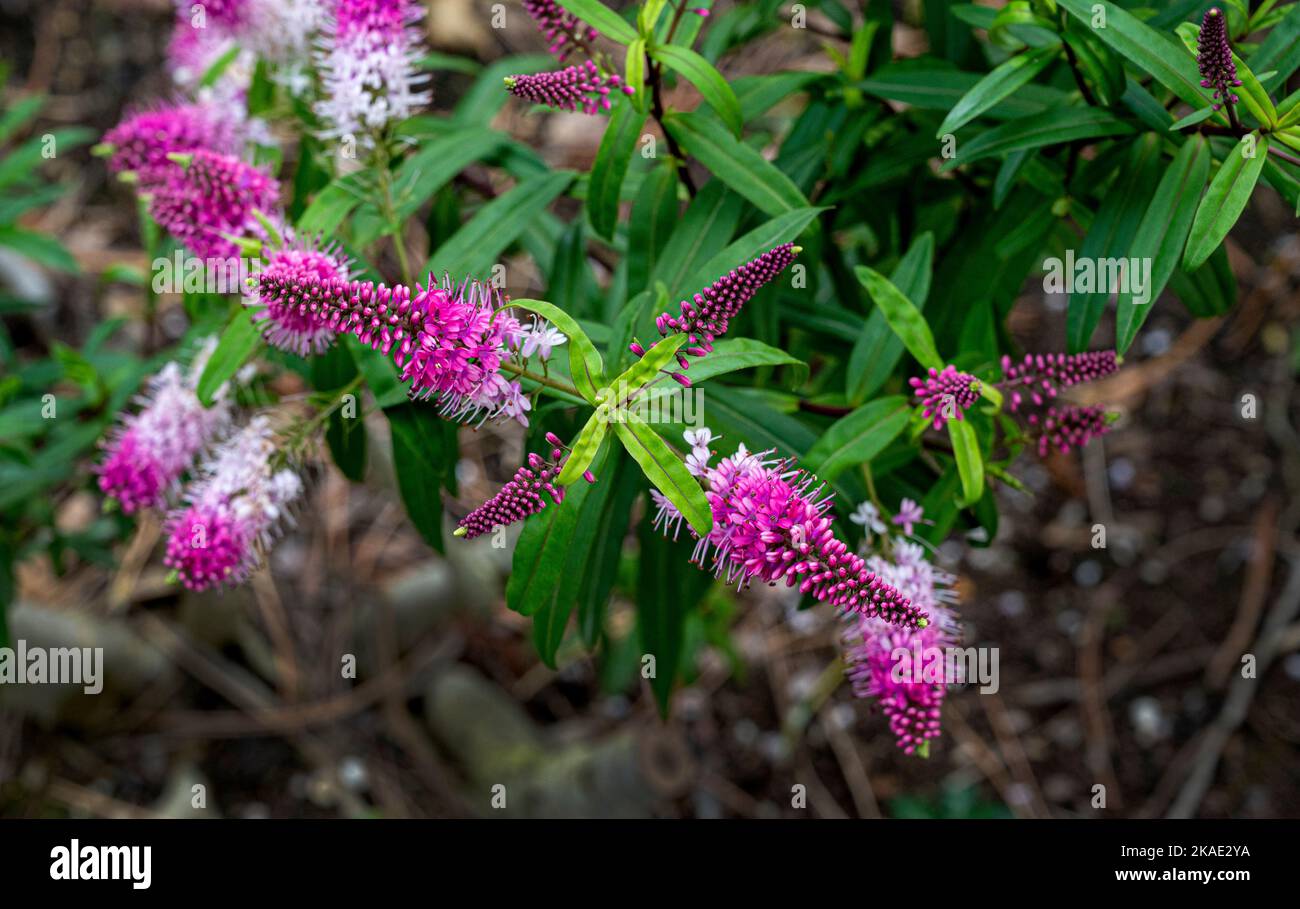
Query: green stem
point(555, 384)
point(307, 428)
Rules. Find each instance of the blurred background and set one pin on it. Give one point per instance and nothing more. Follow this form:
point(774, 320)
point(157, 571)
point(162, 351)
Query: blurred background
point(1119, 667)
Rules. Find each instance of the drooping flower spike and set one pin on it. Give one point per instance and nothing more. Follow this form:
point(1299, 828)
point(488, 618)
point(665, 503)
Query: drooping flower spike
point(1214, 59)
point(369, 70)
point(1069, 427)
point(448, 341)
point(289, 324)
point(581, 87)
point(232, 512)
point(563, 29)
point(946, 394)
point(141, 143)
point(881, 659)
point(149, 451)
point(212, 197)
point(771, 522)
point(1041, 376)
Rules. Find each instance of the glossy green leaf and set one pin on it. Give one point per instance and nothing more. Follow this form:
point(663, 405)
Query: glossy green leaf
point(878, 349)
point(1111, 235)
point(665, 470)
point(1001, 81)
point(424, 455)
point(702, 233)
point(1051, 127)
point(333, 204)
point(584, 448)
point(1154, 51)
point(700, 73)
point(604, 190)
point(585, 364)
point(903, 317)
point(238, 342)
point(1226, 198)
point(41, 248)
point(437, 162)
point(646, 368)
point(654, 217)
point(1163, 233)
point(666, 597)
point(739, 166)
point(970, 463)
point(479, 243)
point(550, 556)
point(606, 21)
point(860, 436)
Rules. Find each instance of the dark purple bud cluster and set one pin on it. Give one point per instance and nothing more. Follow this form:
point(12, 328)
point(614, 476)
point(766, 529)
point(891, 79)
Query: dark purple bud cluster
point(582, 87)
point(1068, 427)
point(524, 496)
point(1214, 58)
point(1042, 375)
point(946, 395)
point(708, 314)
point(563, 29)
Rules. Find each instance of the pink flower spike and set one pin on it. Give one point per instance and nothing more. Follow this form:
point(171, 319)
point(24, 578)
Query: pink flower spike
point(1069, 427)
point(770, 523)
point(1043, 375)
point(575, 88)
point(232, 511)
point(148, 453)
point(369, 69)
point(287, 322)
point(141, 142)
point(214, 195)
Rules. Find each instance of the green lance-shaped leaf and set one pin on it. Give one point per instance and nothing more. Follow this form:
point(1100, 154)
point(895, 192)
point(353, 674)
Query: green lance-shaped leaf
point(1002, 81)
point(333, 204)
point(736, 164)
point(700, 73)
point(646, 369)
point(236, 347)
point(634, 73)
point(1111, 234)
point(1156, 52)
point(1163, 233)
point(877, 349)
point(1225, 199)
point(584, 447)
point(1051, 127)
point(610, 167)
point(903, 317)
point(665, 470)
point(858, 437)
point(424, 453)
point(970, 463)
point(582, 507)
point(541, 561)
point(480, 241)
point(584, 360)
point(606, 21)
